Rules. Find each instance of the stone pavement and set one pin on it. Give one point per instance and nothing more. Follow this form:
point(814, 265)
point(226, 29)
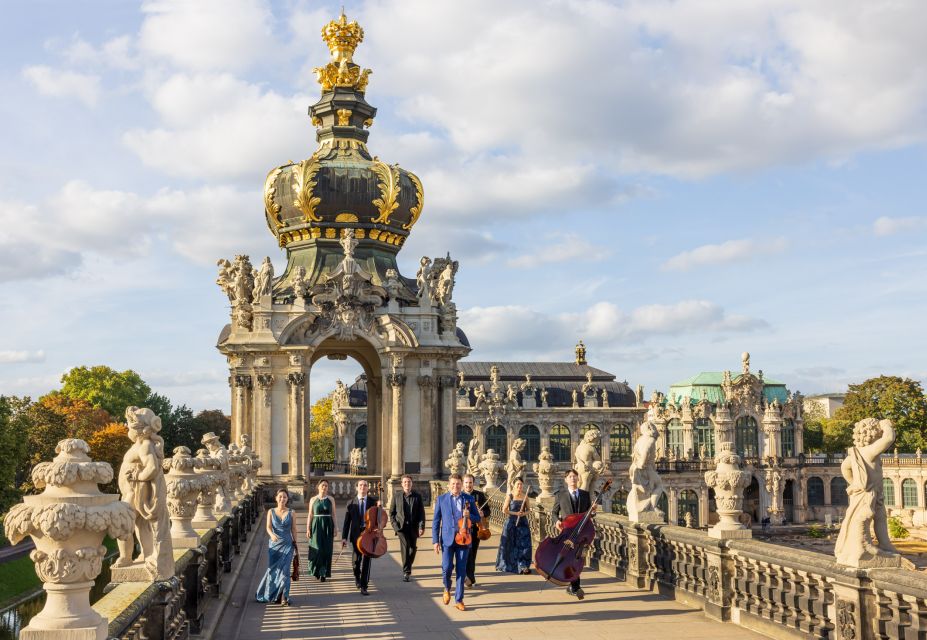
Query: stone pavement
point(502, 606)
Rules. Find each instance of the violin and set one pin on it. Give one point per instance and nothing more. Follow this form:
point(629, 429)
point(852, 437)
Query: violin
point(482, 530)
point(561, 559)
point(463, 537)
point(372, 541)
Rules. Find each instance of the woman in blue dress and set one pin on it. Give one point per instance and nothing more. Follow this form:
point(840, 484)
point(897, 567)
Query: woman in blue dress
point(281, 527)
point(515, 544)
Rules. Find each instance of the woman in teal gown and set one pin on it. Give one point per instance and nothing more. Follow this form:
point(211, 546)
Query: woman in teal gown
point(281, 527)
point(320, 529)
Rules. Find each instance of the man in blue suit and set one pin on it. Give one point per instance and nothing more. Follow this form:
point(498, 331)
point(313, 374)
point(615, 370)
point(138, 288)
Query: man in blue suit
point(448, 510)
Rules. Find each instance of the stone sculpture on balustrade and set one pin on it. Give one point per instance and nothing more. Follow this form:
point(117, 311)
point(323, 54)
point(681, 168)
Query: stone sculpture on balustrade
point(473, 459)
point(544, 468)
point(728, 480)
point(588, 461)
point(207, 468)
point(516, 467)
point(862, 469)
point(67, 523)
point(254, 462)
point(457, 460)
point(490, 468)
point(238, 473)
point(142, 484)
point(221, 455)
point(184, 486)
point(646, 484)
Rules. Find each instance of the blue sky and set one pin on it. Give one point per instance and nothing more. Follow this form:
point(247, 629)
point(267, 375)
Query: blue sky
point(673, 182)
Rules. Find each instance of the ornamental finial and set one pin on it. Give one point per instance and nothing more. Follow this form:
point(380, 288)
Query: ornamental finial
point(342, 38)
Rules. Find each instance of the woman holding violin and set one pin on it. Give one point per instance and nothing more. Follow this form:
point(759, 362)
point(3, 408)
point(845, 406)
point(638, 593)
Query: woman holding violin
point(515, 544)
point(355, 524)
point(455, 512)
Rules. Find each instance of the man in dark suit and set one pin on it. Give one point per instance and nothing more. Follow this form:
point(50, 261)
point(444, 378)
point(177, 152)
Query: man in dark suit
point(569, 501)
point(483, 505)
point(407, 515)
point(353, 527)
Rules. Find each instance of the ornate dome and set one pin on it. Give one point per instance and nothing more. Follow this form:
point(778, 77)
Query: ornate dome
point(341, 185)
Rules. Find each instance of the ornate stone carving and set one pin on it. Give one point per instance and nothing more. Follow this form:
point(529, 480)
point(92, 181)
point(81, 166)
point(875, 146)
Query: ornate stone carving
point(265, 382)
point(220, 457)
point(67, 522)
point(142, 484)
point(516, 466)
point(846, 619)
point(544, 468)
point(862, 470)
point(183, 488)
point(206, 468)
point(729, 482)
point(423, 279)
point(237, 281)
point(263, 283)
point(588, 461)
point(445, 288)
point(490, 468)
point(457, 460)
point(473, 459)
point(646, 484)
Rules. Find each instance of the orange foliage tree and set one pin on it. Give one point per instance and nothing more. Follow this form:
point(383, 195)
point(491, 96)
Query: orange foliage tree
point(109, 444)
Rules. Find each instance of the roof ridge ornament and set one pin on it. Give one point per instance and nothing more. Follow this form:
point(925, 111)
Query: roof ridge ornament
point(342, 38)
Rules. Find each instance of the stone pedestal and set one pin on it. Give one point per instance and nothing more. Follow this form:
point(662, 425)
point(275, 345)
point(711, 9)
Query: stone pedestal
point(183, 487)
point(639, 572)
point(205, 517)
point(729, 482)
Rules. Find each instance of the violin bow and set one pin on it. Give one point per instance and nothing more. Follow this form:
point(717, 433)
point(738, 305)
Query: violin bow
point(521, 512)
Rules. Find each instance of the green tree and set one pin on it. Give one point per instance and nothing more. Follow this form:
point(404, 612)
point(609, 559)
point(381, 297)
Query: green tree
point(900, 400)
point(813, 438)
point(213, 420)
point(106, 388)
point(13, 423)
point(322, 430)
point(838, 435)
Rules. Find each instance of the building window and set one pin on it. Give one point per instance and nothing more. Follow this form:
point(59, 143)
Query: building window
point(597, 443)
point(620, 503)
point(674, 439)
point(745, 437)
point(704, 433)
point(838, 492)
point(909, 493)
point(360, 437)
point(687, 503)
point(619, 443)
point(888, 492)
point(532, 437)
point(464, 434)
point(497, 440)
point(560, 443)
point(788, 439)
point(815, 492)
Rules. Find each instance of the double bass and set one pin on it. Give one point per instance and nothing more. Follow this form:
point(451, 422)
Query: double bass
point(372, 541)
point(561, 559)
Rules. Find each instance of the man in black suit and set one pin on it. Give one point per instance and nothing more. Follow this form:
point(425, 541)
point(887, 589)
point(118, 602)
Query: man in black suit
point(353, 527)
point(407, 515)
point(483, 505)
point(569, 501)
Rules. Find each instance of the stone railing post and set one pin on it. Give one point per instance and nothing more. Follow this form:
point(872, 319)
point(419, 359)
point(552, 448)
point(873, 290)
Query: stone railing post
point(67, 522)
point(183, 487)
point(195, 586)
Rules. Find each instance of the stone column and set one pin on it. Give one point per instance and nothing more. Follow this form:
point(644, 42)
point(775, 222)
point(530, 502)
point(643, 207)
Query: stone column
point(606, 445)
point(799, 427)
point(67, 522)
point(772, 427)
point(447, 412)
point(688, 438)
point(703, 509)
point(672, 505)
point(296, 423)
point(262, 429)
point(241, 407)
point(661, 437)
point(397, 381)
point(426, 385)
point(827, 499)
point(640, 570)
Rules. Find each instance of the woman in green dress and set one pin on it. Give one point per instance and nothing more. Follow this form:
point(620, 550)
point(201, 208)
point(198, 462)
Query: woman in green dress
point(320, 529)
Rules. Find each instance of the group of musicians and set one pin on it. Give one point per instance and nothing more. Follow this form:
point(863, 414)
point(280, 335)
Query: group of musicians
point(407, 517)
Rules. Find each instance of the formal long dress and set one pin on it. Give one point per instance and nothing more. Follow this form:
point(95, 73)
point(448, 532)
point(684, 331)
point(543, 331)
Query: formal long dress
point(321, 539)
point(515, 544)
point(275, 585)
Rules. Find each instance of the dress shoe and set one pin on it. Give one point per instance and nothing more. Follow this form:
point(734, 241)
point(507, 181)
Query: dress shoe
point(406, 577)
point(447, 597)
point(580, 594)
point(322, 578)
point(460, 606)
point(468, 582)
point(357, 584)
point(364, 592)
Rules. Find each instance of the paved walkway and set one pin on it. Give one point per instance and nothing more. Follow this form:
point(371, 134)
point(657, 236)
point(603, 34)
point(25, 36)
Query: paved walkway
point(501, 606)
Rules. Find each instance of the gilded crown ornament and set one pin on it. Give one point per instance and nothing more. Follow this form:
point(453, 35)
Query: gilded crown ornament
point(342, 38)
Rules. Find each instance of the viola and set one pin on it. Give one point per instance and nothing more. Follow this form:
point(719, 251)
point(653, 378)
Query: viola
point(561, 559)
point(463, 537)
point(482, 530)
point(372, 541)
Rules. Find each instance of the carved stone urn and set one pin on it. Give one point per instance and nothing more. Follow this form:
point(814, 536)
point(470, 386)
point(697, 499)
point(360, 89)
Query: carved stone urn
point(67, 522)
point(729, 481)
point(206, 468)
point(183, 487)
point(238, 473)
point(491, 467)
point(544, 468)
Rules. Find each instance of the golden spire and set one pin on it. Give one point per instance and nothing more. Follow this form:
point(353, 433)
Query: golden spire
point(342, 38)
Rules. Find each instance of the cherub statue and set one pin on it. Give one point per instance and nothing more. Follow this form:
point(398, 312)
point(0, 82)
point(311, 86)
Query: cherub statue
point(588, 462)
point(646, 484)
point(423, 280)
point(515, 467)
point(473, 458)
point(457, 460)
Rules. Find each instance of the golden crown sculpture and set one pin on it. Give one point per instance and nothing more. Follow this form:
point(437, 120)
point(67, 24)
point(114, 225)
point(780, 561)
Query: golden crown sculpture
point(342, 38)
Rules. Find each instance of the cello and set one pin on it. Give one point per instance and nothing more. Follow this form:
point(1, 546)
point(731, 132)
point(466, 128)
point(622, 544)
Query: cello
point(561, 559)
point(372, 541)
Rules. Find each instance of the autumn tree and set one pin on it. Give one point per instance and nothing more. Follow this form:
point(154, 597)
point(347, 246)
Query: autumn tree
point(322, 430)
point(110, 444)
point(106, 388)
point(900, 400)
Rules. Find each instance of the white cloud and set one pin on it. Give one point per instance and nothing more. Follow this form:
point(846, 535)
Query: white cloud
point(570, 248)
point(886, 226)
point(58, 83)
point(7, 357)
point(116, 53)
point(731, 251)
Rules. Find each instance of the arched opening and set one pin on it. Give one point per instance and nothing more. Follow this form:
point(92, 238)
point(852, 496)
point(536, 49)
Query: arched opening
point(704, 433)
point(788, 438)
point(360, 437)
point(746, 437)
point(620, 502)
point(713, 516)
point(675, 443)
point(463, 433)
point(560, 447)
point(838, 492)
point(888, 492)
point(752, 500)
point(909, 493)
point(687, 502)
point(532, 437)
point(497, 440)
point(815, 492)
point(788, 501)
point(619, 445)
point(663, 505)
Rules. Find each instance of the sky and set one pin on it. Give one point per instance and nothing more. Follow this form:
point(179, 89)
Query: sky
point(673, 182)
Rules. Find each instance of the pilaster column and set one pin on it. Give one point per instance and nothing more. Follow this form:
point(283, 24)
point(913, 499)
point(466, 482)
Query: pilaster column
point(688, 439)
point(241, 407)
point(703, 509)
point(397, 381)
point(427, 412)
point(661, 437)
point(672, 513)
point(263, 439)
point(606, 443)
point(826, 490)
point(799, 427)
point(296, 423)
point(447, 422)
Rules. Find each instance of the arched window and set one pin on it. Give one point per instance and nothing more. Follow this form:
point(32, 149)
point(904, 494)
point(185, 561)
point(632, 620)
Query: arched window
point(532, 437)
point(788, 440)
point(687, 503)
point(598, 443)
point(745, 437)
point(619, 443)
point(674, 439)
point(815, 492)
point(838, 492)
point(620, 503)
point(888, 492)
point(704, 433)
point(909, 493)
point(360, 437)
point(497, 440)
point(662, 503)
point(464, 434)
point(560, 443)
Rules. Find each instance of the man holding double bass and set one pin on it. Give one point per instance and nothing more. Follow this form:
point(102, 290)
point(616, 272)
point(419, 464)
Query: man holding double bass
point(567, 502)
point(352, 529)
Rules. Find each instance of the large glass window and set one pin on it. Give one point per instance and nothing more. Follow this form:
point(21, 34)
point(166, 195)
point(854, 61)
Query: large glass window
point(687, 503)
point(838, 492)
point(360, 437)
point(532, 437)
point(497, 441)
point(674, 438)
point(788, 438)
point(598, 443)
point(560, 443)
point(909, 493)
point(745, 437)
point(619, 443)
point(815, 492)
point(704, 433)
point(620, 503)
point(888, 492)
point(464, 434)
